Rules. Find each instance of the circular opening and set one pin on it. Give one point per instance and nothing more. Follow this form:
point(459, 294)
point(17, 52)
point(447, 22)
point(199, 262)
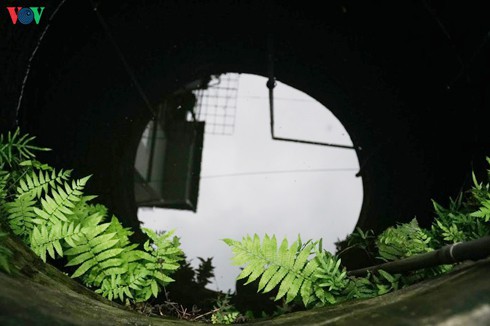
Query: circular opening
point(249, 183)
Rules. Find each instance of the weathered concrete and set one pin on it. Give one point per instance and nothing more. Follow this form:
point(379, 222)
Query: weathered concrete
point(38, 294)
point(461, 297)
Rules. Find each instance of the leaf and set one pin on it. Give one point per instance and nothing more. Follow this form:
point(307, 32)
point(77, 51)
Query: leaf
point(104, 246)
point(285, 267)
point(286, 285)
point(267, 276)
point(77, 250)
point(84, 268)
point(80, 258)
point(386, 275)
point(108, 254)
point(154, 288)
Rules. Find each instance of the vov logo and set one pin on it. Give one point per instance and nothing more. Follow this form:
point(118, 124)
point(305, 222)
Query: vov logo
point(25, 15)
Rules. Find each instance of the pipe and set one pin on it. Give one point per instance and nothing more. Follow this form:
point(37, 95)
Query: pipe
point(449, 254)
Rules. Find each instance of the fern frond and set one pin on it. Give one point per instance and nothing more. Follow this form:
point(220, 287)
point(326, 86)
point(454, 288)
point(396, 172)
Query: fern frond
point(288, 267)
point(140, 274)
point(114, 288)
point(124, 263)
point(484, 212)
point(130, 284)
point(14, 148)
point(4, 175)
point(21, 216)
point(83, 209)
point(95, 247)
point(59, 205)
point(330, 277)
point(134, 273)
point(165, 255)
point(52, 238)
point(392, 243)
point(51, 214)
point(122, 233)
point(41, 182)
point(100, 254)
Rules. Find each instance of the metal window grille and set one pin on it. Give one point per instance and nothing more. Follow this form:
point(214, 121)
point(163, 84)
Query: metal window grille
point(216, 105)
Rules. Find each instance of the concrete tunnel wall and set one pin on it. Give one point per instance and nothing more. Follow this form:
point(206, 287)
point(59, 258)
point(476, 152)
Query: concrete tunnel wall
point(410, 81)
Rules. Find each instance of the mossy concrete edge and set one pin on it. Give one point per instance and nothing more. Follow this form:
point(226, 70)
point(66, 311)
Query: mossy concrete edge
point(36, 293)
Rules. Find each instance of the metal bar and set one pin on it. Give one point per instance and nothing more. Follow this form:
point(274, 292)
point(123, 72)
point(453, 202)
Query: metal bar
point(271, 83)
point(313, 142)
point(220, 116)
point(216, 124)
point(225, 88)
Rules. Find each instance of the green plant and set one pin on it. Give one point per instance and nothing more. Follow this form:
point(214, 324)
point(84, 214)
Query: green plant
point(16, 149)
point(465, 219)
point(290, 268)
point(361, 239)
point(315, 275)
point(224, 312)
point(48, 210)
point(403, 241)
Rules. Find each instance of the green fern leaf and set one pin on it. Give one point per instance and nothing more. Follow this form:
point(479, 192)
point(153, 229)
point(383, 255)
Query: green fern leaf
point(37, 237)
point(164, 279)
point(49, 237)
point(277, 278)
point(14, 148)
point(100, 241)
point(80, 259)
point(484, 211)
point(302, 258)
point(21, 215)
point(123, 233)
point(306, 291)
point(110, 263)
point(288, 286)
point(269, 247)
point(108, 254)
point(253, 271)
point(58, 206)
point(55, 219)
point(268, 275)
point(84, 267)
point(134, 255)
point(72, 233)
point(105, 245)
point(134, 284)
point(107, 271)
point(91, 231)
point(154, 288)
point(287, 266)
point(82, 209)
point(77, 250)
point(392, 243)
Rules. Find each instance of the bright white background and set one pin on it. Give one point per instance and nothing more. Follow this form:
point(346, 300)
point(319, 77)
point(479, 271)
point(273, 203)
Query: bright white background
point(311, 201)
